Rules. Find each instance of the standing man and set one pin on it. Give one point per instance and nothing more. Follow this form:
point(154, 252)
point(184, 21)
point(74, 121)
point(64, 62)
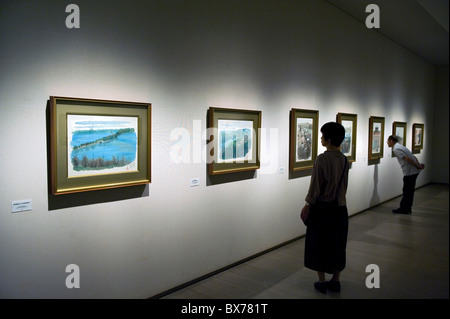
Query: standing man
point(411, 169)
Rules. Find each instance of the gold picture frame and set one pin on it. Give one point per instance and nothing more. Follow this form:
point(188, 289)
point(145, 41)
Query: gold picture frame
point(417, 137)
point(376, 137)
point(303, 139)
point(234, 140)
point(399, 130)
point(348, 146)
point(98, 144)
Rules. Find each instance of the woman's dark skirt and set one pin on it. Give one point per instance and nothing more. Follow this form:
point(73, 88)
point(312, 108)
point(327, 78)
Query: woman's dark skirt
point(326, 237)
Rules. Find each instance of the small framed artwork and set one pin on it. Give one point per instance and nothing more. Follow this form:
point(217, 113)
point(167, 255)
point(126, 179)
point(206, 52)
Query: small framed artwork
point(417, 139)
point(376, 137)
point(98, 144)
point(234, 144)
point(348, 146)
point(303, 139)
point(399, 130)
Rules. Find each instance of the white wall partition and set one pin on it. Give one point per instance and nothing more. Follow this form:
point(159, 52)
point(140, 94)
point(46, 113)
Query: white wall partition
point(183, 57)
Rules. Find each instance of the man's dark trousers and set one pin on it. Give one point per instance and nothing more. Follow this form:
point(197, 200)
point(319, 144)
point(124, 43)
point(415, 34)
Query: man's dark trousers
point(409, 186)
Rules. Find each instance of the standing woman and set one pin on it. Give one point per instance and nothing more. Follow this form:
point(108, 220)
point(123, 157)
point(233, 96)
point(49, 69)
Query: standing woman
point(325, 212)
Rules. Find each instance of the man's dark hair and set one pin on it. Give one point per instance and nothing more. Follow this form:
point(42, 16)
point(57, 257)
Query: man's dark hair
point(393, 138)
point(335, 131)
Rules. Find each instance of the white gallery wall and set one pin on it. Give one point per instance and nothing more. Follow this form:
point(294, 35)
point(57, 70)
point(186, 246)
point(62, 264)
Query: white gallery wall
point(440, 129)
point(183, 57)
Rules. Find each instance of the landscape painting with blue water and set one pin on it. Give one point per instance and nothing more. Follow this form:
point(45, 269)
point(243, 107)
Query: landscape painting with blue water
point(101, 144)
point(235, 141)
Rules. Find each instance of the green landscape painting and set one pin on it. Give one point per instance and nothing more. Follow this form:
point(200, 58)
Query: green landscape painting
point(235, 141)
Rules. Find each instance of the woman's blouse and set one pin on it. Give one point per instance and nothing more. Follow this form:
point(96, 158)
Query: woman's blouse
point(325, 178)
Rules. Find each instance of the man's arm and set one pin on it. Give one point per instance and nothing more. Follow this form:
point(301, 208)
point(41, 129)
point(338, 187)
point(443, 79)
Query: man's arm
point(414, 162)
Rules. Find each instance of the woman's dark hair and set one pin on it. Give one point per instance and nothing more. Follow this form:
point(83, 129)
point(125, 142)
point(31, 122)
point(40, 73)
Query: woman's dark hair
point(335, 131)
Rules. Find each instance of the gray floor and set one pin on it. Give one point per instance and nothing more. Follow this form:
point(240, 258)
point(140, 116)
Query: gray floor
point(411, 251)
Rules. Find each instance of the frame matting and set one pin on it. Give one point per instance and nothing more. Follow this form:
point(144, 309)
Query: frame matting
point(234, 140)
point(303, 139)
point(98, 144)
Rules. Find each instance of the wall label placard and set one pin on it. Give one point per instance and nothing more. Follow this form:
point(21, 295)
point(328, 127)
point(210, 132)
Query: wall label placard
point(194, 182)
point(21, 205)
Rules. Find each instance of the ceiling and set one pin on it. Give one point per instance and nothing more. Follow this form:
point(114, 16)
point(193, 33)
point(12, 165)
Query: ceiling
point(421, 26)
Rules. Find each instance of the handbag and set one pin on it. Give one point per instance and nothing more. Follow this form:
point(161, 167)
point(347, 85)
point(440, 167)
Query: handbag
point(306, 214)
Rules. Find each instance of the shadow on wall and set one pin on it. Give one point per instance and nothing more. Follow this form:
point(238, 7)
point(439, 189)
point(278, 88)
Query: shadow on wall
point(96, 197)
point(375, 200)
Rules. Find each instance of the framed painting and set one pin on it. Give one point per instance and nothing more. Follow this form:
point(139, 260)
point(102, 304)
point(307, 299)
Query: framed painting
point(376, 137)
point(98, 144)
point(234, 144)
point(417, 139)
point(399, 130)
point(303, 139)
point(348, 146)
